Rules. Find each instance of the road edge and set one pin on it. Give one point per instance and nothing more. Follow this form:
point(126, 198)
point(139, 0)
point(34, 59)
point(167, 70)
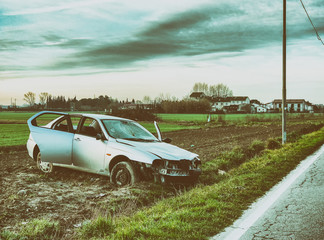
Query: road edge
point(258, 208)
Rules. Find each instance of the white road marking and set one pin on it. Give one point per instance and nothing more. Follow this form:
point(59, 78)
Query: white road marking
point(258, 208)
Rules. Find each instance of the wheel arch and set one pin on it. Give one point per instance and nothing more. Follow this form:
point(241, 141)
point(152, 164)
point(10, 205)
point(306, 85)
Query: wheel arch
point(35, 152)
point(117, 159)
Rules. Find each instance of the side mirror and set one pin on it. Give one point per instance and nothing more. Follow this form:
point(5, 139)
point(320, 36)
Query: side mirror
point(99, 137)
point(167, 140)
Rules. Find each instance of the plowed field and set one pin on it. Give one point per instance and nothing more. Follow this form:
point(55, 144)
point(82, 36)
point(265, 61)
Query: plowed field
point(72, 197)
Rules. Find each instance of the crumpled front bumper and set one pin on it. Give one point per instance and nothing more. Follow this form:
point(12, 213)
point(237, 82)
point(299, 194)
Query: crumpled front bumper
point(179, 168)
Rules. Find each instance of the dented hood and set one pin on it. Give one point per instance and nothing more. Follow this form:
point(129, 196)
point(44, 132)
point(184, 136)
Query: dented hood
point(161, 150)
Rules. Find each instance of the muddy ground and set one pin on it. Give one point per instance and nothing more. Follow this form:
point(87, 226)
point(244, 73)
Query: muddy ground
point(71, 197)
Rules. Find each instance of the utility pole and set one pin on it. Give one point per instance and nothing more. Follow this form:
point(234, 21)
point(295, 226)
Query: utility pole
point(284, 90)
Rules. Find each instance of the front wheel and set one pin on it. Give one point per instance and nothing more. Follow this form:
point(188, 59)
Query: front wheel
point(123, 173)
point(45, 167)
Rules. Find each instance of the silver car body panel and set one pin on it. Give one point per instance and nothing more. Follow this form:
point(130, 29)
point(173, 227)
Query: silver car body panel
point(89, 152)
point(81, 152)
point(158, 150)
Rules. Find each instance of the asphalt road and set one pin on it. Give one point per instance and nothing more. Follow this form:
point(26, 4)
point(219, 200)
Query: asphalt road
point(294, 210)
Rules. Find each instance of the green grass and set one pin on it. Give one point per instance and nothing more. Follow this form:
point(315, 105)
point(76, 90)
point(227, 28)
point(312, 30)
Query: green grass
point(14, 130)
point(15, 117)
point(206, 210)
point(100, 227)
point(37, 229)
point(13, 134)
point(234, 117)
point(183, 117)
point(166, 127)
point(203, 117)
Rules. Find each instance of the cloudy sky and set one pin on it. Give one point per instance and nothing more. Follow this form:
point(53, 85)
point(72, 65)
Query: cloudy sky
point(129, 49)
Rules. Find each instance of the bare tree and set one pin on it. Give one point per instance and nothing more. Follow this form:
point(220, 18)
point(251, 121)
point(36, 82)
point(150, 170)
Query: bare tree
point(200, 87)
point(220, 90)
point(43, 97)
point(30, 98)
point(146, 100)
point(159, 98)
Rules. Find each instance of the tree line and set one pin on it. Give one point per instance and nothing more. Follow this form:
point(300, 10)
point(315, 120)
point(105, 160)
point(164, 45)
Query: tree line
point(164, 103)
point(47, 101)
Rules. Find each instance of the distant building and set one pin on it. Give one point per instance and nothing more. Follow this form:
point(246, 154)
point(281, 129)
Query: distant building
point(131, 105)
point(255, 101)
point(4, 106)
point(225, 103)
point(294, 105)
point(261, 109)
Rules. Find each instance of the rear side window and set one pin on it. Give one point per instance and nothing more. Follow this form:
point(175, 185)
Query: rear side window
point(54, 121)
point(47, 120)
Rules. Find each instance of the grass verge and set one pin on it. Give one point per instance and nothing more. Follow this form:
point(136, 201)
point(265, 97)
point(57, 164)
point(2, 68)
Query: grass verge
point(37, 229)
point(206, 210)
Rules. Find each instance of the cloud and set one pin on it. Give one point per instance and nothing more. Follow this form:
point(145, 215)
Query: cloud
point(84, 41)
point(44, 7)
point(208, 29)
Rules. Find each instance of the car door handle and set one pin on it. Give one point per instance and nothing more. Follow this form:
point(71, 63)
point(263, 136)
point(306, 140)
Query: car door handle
point(77, 139)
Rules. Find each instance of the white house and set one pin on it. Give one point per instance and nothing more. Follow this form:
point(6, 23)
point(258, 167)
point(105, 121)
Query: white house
point(261, 109)
point(4, 106)
point(220, 103)
point(294, 105)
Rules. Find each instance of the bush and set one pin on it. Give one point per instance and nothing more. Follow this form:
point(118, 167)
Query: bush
point(255, 148)
point(210, 170)
point(273, 144)
point(235, 157)
point(293, 136)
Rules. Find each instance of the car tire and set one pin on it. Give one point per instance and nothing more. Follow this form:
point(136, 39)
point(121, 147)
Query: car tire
point(124, 173)
point(45, 167)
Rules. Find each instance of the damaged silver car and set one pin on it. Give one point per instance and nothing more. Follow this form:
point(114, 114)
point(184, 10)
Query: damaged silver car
point(116, 147)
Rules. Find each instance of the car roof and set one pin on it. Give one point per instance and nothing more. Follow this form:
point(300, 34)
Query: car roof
point(98, 116)
point(91, 115)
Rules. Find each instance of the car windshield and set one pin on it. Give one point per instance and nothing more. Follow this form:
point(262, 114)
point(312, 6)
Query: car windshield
point(128, 130)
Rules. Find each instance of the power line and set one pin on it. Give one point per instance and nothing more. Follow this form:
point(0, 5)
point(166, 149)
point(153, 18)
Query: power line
point(318, 36)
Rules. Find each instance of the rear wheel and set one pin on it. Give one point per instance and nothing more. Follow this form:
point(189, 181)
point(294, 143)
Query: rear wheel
point(45, 167)
point(124, 173)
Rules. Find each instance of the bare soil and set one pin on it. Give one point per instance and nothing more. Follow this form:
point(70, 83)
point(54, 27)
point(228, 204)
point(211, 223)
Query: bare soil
point(71, 197)
point(209, 142)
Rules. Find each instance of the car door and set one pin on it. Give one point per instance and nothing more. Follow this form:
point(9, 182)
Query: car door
point(53, 134)
point(88, 151)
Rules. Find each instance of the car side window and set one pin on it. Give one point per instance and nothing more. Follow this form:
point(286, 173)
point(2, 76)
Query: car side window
point(90, 127)
point(61, 125)
point(53, 120)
